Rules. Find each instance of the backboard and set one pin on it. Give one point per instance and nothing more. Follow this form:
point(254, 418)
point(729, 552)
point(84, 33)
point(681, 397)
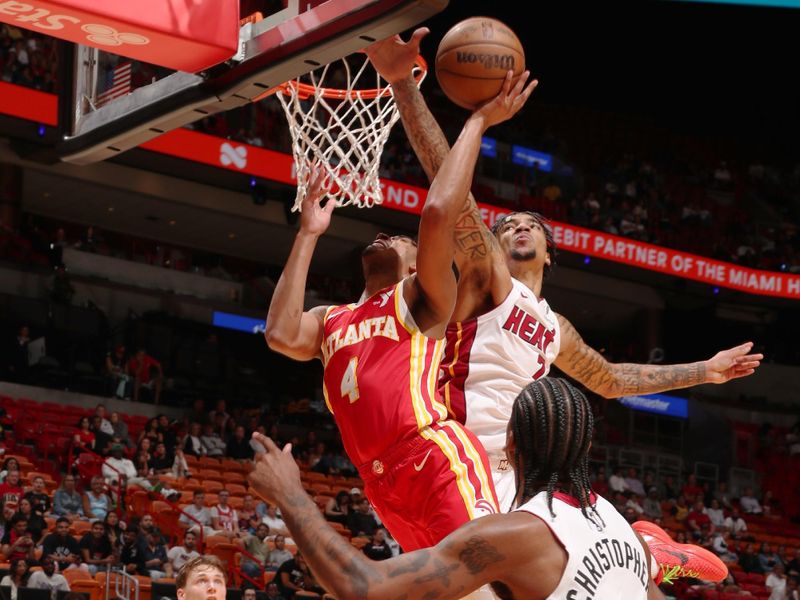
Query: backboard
point(116, 103)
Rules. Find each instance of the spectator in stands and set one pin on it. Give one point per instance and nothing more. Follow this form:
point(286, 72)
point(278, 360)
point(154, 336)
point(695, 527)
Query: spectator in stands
point(48, 579)
point(768, 557)
point(749, 503)
point(9, 464)
point(279, 554)
point(130, 556)
point(90, 242)
point(67, 501)
point(600, 485)
point(238, 445)
point(104, 424)
point(617, 481)
point(96, 502)
point(671, 489)
point(17, 541)
point(151, 431)
point(792, 588)
point(719, 543)
point(8, 511)
point(338, 507)
point(18, 575)
point(61, 547)
point(36, 524)
point(198, 413)
point(212, 442)
point(793, 567)
point(142, 455)
point(102, 440)
point(258, 547)
point(38, 497)
point(749, 561)
point(160, 462)
point(224, 517)
point(96, 549)
point(652, 504)
point(360, 520)
point(776, 582)
point(632, 501)
point(698, 521)
point(166, 428)
point(273, 593)
point(114, 529)
point(691, 490)
point(295, 575)
point(736, 524)
point(274, 521)
point(154, 556)
point(219, 416)
point(247, 513)
point(769, 504)
point(197, 515)
point(716, 514)
point(147, 373)
point(12, 488)
point(84, 437)
point(119, 379)
point(180, 555)
point(680, 509)
point(377, 548)
point(120, 430)
point(119, 471)
point(193, 445)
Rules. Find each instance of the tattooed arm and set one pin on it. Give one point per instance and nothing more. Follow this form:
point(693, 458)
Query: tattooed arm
point(394, 59)
point(476, 554)
point(613, 380)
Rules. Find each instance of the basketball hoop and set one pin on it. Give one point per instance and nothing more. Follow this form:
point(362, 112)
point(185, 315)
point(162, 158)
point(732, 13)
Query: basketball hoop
point(343, 126)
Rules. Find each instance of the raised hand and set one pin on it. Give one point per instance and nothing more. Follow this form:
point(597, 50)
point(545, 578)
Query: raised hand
point(393, 58)
point(276, 475)
point(315, 218)
point(732, 363)
point(509, 101)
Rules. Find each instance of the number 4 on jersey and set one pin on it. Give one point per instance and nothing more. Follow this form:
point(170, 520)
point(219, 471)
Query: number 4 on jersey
point(349, 385)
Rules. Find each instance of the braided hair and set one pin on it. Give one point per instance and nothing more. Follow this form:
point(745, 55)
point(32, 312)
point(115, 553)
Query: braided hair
point(552, 248)
point(552, 423)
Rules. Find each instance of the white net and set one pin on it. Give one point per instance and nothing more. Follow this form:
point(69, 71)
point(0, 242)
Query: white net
point(343, 127)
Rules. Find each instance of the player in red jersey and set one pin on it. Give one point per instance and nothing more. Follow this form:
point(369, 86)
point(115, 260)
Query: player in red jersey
point(424, 474)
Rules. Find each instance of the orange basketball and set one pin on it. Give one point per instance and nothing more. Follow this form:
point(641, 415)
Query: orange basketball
point(473, 58)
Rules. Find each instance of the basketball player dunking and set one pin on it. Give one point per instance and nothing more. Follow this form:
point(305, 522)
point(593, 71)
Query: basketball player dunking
point(562, 542)
point(424, 473)
point(503, 334)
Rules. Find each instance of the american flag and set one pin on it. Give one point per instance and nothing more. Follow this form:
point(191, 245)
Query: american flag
point(120, 85)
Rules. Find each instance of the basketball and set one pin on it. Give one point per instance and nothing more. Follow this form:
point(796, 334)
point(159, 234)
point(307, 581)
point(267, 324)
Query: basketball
point(473, 58)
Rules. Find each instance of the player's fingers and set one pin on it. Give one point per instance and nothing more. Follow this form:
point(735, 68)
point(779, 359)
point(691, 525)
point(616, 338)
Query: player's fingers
point(519, 85)
point(751, 357)
point(287, 449)
point(417, 36)
point(743, 373)
point(747, 365)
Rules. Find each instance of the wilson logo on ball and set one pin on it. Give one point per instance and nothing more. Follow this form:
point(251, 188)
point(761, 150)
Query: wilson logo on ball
point(489, 61)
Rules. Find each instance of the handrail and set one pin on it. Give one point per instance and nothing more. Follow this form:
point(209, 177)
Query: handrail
point(262, 565)
point(123, 583)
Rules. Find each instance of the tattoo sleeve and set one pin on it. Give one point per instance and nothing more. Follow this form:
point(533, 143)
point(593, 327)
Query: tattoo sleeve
point(613, 380)
point(442, 572)
point(473, 240)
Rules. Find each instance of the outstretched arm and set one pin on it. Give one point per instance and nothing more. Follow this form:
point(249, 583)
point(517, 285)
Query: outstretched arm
point(435, 279)
point(613, 380)
point(474, 555)
point(394, 60)
point(290, 330)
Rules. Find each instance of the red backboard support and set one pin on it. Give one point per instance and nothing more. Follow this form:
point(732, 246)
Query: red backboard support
point(180, 35)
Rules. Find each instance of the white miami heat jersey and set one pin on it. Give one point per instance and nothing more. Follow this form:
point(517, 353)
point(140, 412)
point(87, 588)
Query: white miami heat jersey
point(605, 559)
point(488, 360)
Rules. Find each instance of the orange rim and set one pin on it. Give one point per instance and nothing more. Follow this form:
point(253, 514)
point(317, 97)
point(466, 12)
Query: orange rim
point(306, 90)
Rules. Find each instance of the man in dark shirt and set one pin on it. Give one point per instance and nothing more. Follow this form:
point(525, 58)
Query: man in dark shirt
point(238, 445)
point(294, 576)
point(154, 556)
point(131, 556)
point(61, 546)
point(360, 521)
point(161, 461)
point(96, 548)
point(40, 501)
point(378, 549)
point(17, 541)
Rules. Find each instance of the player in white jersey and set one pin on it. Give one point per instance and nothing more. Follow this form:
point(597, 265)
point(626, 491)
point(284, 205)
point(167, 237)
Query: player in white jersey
point(562, 542)
point(497, 335)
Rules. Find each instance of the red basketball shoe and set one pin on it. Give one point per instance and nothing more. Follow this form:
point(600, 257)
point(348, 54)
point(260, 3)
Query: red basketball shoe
point(680, 560)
